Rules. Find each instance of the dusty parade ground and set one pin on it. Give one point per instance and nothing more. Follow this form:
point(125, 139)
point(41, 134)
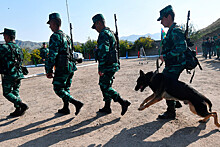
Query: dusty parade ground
point(43, 126)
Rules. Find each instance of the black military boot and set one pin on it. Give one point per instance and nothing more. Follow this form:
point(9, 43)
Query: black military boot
point(178, 104)
point(16, 113)
point(23, 108)
point(65, 110)
point(77, 104)
point(124, 105)
point(171, 112)
point(106, 109)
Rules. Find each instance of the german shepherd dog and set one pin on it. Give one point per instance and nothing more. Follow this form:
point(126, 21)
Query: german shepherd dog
point(169, 89)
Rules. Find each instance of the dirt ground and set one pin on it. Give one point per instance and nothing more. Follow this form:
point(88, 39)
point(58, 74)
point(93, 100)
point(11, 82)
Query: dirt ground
point(43, 126)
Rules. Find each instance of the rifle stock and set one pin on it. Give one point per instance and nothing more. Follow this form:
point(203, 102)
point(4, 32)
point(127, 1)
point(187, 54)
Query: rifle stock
point(116, 36)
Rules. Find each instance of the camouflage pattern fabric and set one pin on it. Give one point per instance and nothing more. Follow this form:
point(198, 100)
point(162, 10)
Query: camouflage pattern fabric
point(204, 50)
point(44, 52)
point(63, 74)
point(11, 80)
point(174, 46)
point(106, 41)
point(218, 48)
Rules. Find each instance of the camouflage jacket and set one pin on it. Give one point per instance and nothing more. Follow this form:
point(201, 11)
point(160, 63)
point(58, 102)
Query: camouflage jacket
point(44, 52)
point(9, 64)
point(106, 41)
point(174, 46)
point(58, 46)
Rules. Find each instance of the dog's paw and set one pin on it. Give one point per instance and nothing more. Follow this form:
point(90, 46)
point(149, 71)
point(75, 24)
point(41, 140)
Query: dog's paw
point(141, 108)
point(203, 121)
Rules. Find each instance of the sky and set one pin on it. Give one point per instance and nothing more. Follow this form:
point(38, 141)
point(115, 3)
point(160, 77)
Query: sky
point(139, 17)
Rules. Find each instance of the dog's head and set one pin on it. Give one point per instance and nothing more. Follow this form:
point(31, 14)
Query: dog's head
point(143, 80)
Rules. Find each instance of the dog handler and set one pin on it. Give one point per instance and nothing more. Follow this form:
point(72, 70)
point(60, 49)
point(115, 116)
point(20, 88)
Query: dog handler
point(106, 42)
point(173, 48)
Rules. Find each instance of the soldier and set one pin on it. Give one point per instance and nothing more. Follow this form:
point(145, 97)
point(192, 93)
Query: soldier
point(11, 58)
point(174, 46)
point(204, 48)
point(60, 56)
point(218, 47)
point(213, 46)
point(106, 43)
point(44, 51)
point(208, 47)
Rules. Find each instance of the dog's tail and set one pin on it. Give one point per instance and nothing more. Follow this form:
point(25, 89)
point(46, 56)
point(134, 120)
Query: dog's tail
point(209, 103)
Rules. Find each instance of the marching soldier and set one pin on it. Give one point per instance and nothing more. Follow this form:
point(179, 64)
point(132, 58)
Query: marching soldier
point(11, 58)
point(60, 56)
point(174, 46)
point(44, 51)
point(106, 69)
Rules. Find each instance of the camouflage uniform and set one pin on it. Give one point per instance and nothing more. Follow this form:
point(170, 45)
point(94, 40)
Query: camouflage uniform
point(43, 53)
point(64, 68)
point(204, 48)
point(12, 74)
point(173, 48)
point(218, 47)
point(105, 38)
point(208, 48)
point(106, 42)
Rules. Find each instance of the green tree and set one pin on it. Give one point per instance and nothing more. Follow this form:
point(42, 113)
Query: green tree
point(35, 55)
point(88, 48)
point(27, 56)
point(124, 46)
point(145, 42)
point(78, 48)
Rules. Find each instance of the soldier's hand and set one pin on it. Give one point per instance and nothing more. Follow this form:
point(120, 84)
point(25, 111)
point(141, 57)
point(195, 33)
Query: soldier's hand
point(49, 75)
point(100, 73)
point(161, 58)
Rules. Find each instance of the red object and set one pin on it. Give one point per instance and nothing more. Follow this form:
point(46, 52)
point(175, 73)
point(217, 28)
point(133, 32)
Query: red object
point(196, 51)
point(89, 57)
point(138, 54)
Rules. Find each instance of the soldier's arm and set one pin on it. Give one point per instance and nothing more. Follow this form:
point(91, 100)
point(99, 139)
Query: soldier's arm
point(104, 45)
point(54, 44)
point(179, 43)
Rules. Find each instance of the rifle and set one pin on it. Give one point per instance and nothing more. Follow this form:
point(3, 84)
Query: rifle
point(189, 43)
point(116, 36)
point(71, 35)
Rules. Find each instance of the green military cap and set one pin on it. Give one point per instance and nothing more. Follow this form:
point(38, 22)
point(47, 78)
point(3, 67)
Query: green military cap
point(164, 11)
point(53, 16)
point(9, 32)
point(96, 18)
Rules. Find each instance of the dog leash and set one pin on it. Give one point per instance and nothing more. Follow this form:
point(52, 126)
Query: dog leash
point(158, 65)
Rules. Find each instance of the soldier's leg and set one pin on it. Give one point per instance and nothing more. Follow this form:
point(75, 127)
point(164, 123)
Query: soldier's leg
point(174, 73)
point(11, 92)
point(61, 85)
point(109, 93)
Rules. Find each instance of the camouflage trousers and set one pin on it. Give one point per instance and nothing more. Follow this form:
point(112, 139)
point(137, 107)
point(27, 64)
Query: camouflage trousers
point(218, 52)
point(11, 90)
point(174, 73)
point(105, 83)
point(61, 85)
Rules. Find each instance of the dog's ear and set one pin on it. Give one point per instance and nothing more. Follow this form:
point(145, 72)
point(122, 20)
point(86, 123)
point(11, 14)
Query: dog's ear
point(141, 73)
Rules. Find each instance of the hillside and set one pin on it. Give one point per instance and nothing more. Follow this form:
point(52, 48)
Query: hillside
point(27, 44)
point(214, 27)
